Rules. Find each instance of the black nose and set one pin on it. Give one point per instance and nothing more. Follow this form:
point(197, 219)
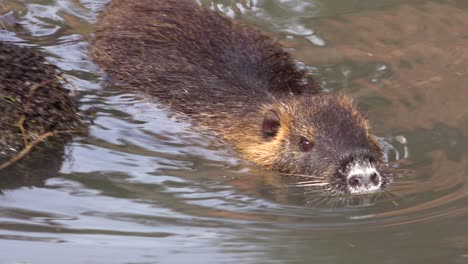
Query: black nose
point(355, 181)
point(364, 180)
point(375, 178)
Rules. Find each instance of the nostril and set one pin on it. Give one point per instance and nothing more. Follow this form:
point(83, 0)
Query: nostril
point(354, 181)
point(375, 179)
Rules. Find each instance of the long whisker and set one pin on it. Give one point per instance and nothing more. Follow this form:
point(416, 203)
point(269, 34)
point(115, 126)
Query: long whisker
point(337, 201)
point(4, 7)
point(309, 181)
point(391, 195)
point(312, 184)
point(317, 200)
point(299, 194)
point(314, 191)
point(331, 202)
point(302, 175)
point(6, 10)
point(313, 181)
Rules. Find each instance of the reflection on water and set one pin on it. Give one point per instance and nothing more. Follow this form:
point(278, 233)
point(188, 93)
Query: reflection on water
point(148, 187)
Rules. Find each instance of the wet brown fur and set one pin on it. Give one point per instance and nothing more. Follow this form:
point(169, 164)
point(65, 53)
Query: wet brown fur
point(226, 76)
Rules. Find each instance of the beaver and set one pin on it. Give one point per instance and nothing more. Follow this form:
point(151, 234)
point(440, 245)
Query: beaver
point(243, 85)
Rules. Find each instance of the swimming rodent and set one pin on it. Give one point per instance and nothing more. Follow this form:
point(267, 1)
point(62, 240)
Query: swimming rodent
point(241, 84)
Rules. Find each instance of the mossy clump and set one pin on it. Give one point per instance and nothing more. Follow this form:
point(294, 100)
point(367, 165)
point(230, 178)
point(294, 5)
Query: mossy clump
point(34, 105)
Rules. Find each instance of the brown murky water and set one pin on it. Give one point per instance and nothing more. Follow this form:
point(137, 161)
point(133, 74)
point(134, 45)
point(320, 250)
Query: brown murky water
point(146, 187)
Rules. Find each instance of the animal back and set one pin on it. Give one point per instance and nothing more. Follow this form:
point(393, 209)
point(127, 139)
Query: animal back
point(192, 58)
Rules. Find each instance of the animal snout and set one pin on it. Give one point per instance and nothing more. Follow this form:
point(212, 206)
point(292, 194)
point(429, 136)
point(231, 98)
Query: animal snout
point(363, 179)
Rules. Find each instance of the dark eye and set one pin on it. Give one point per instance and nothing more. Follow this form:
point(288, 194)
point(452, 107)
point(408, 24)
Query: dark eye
point(305, 145)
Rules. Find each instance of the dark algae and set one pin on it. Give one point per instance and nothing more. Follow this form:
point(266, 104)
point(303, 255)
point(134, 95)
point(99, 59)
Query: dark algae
point(35, 106)
point(243, 85)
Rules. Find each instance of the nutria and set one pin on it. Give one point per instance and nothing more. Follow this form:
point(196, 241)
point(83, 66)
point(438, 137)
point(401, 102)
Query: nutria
point(241, 84)
point(34, 105)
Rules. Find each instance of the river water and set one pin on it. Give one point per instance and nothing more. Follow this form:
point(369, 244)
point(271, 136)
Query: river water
point(149, 187)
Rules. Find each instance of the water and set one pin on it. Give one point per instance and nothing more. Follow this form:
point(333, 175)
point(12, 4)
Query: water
point(149, 187)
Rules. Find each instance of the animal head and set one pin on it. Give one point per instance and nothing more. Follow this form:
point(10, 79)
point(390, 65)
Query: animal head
point(322, 137)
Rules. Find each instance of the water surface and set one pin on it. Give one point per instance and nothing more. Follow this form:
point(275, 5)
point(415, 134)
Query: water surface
point(150, 187)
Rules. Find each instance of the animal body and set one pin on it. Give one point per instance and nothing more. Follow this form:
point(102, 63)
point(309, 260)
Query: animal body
point(243, 85)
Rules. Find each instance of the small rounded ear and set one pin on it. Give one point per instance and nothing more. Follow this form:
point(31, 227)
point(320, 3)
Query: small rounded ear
point(271, 124)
